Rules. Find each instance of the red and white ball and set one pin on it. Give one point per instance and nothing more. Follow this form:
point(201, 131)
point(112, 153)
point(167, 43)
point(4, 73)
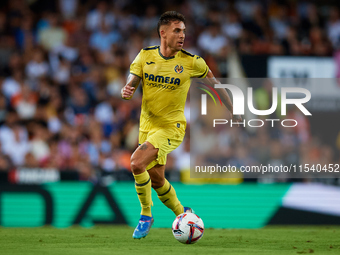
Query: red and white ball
point(188, 228)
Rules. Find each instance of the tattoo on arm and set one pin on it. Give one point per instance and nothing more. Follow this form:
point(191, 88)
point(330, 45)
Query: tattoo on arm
point(143, 147)
point(133, 80)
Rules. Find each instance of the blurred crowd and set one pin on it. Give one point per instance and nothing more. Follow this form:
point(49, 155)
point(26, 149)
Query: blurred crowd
point(64, 62)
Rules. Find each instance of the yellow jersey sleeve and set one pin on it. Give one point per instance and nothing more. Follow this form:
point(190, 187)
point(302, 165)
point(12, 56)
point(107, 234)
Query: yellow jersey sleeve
point(200, 68)
point(136, 67)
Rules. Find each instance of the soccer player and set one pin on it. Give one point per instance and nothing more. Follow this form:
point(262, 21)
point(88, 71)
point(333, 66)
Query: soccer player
point(165, 72)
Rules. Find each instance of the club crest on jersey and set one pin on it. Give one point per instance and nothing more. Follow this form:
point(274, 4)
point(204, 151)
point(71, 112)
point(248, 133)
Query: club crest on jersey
point(179, 69)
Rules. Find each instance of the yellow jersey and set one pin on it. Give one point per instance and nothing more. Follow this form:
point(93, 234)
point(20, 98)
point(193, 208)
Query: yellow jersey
point(165, 83)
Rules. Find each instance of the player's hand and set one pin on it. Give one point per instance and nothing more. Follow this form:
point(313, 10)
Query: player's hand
point(237, 118)
point(127, 92)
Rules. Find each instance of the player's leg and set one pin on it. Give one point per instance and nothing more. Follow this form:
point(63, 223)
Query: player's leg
point(166, 192)
point(166, 140)
point(140, 159)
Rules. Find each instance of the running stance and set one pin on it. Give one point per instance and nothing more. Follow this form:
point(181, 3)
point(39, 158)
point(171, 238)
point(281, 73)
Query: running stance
point(165, 72)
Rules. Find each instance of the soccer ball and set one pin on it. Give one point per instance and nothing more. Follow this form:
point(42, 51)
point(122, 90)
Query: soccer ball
point(188, 228)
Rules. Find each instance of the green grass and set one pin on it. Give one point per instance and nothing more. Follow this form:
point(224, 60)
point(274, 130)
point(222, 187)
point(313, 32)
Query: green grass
point(118, 240)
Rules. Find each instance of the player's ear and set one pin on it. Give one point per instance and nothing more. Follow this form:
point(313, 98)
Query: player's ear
point(162, 31)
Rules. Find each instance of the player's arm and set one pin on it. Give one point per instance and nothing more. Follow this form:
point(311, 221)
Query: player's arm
point(129, 89)
point(136, 72)
point(211, 80)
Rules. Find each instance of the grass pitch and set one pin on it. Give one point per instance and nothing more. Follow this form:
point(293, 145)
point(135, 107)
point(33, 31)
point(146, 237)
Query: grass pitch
point(118, 240)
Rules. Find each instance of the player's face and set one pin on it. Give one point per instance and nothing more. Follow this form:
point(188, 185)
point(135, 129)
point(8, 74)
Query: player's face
point(175, 34)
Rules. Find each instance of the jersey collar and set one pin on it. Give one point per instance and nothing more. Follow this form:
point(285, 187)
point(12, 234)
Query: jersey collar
point(166, 58)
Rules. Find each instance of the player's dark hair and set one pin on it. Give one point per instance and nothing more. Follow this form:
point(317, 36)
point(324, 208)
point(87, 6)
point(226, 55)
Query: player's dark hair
point(168, 17)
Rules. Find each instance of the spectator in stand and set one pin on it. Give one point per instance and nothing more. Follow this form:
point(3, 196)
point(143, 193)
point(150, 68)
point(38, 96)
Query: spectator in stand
point(281, 22)
point(246, 8)
point(39, 143)
point(15, 62)
point(291, 43)
point(12, 85)
point(313, 19)
point(103, 112)
point(320, 45)
point(80, 103)
point(68, 8)
point(36, 68)
point(54, 35)
point(212, 41)
point(127, 22)
point(5, 163)
point(26, 36)
point(25, 102)
point(97, 144)
point(103, 39)
point(16, 144)
point(100, 14)
point(80, 36)
point(232, 26)
point(83, 65)
point(258, 24)
point(148, 23)
point(30, 161)
point(66, 51)
point(333, 27)
point(62, 72)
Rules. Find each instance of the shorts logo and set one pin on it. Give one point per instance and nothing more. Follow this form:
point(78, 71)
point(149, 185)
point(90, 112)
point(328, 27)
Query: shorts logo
point(179, 69)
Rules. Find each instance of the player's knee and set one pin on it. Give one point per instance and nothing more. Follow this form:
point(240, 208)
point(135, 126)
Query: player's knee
point(136, 166)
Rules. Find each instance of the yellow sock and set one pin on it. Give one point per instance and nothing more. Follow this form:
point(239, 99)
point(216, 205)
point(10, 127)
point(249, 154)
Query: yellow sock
point(167, 195)
point(143, 188)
